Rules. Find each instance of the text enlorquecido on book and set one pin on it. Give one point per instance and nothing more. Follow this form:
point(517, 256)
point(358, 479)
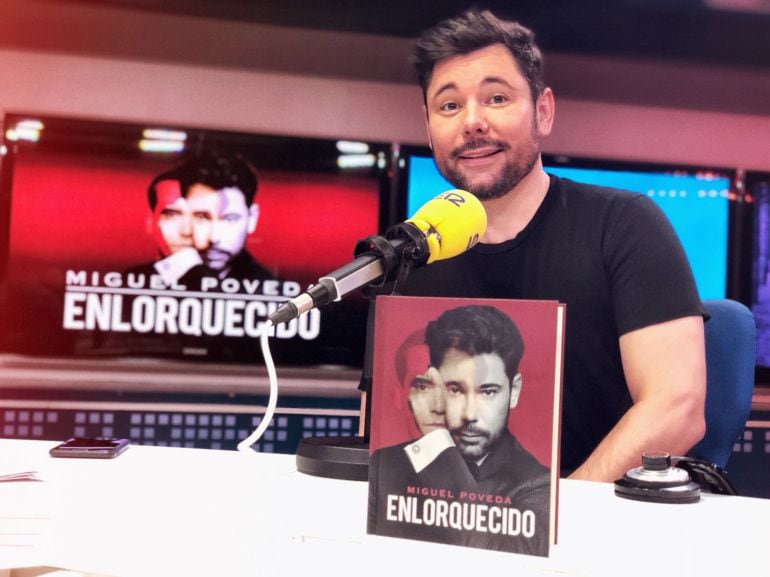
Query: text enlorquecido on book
point(465, 420)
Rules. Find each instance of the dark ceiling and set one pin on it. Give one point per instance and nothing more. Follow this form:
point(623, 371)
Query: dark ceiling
point(725, 32)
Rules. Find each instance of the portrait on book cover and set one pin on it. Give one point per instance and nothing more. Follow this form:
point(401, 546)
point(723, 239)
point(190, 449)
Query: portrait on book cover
point(454, 458)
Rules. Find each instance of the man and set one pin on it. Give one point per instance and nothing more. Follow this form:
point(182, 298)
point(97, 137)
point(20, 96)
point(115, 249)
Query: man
point(474, 355)
point(170, 225)
point(420, 387)
point(420, 393)
point(634, 374)
point(219, 190)
point(394, 468)
point(477, 351)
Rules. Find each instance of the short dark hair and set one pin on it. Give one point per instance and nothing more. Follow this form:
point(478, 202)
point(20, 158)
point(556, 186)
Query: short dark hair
point(476, 330)
point(415, 339)
point(152, 190)
point(211, 168)
point(473, 30)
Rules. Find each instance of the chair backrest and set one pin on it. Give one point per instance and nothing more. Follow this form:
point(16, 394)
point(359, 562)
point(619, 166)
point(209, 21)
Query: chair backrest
point(730, 359)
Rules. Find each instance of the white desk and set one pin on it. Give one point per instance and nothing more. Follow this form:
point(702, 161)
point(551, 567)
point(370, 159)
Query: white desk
point(188, 512)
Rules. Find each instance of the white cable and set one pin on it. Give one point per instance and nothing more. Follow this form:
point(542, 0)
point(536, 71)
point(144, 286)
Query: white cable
point(246, 444)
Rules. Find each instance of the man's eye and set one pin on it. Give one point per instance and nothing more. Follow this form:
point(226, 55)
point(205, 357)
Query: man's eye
point(498, 99)
point(454, 391)
point(449, 107)
point(232, 218)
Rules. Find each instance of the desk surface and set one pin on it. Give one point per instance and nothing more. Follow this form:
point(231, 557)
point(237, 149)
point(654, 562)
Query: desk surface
point(163, 511)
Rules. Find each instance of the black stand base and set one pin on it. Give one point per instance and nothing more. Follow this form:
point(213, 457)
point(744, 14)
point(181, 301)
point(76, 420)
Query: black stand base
point(334, 457)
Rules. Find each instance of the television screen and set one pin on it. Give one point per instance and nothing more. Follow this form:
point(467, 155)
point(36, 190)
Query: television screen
point(758, 190)
point(696, 201)
point(98, 264)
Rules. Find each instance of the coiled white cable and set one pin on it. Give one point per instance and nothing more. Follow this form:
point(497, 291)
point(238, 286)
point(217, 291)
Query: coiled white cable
point(246, 444)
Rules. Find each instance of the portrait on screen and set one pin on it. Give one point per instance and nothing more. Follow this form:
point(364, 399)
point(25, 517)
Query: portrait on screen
point(116, 251)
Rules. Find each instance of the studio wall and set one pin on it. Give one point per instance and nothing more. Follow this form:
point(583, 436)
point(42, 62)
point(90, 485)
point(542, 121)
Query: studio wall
point(89, 61)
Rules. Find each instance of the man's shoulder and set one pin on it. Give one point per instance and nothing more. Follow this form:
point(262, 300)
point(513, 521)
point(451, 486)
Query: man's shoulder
point(531, 480)
point(591, 207)
point(515, 456)
point(390, 453)
point(573, 191)
point(246, 266)
point(391, 467)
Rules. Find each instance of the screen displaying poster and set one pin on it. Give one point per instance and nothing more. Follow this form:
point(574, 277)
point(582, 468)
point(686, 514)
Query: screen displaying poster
point(124, 241)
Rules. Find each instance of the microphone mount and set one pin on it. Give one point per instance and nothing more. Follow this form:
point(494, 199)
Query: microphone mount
point(377, 260)
point(384, 262)
point(403, 249)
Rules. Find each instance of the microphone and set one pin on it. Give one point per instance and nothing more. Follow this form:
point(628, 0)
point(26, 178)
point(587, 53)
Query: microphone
point(444, 227)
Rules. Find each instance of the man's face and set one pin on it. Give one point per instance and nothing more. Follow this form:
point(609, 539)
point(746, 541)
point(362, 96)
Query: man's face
point(427, 401)
point(172, 221)
point(221, 223)
point(477, 402)
point(422, 389)
point(483, 126)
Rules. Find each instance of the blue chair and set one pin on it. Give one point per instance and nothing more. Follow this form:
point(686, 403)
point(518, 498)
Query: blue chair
point(730, 358)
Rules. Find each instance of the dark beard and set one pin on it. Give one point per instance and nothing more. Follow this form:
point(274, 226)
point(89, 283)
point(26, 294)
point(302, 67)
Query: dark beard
point(513, 172)
point(474, 451)
point(510, 177)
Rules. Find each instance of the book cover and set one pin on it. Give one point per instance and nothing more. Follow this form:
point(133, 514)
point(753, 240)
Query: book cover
point(465, 414)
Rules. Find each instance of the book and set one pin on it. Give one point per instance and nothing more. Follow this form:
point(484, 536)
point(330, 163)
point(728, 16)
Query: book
point(465, 420)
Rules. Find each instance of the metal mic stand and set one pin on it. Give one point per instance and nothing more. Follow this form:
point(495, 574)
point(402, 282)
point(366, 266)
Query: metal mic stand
point(348, 457)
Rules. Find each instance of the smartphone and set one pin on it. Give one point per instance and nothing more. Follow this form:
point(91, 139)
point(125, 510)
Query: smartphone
point(90, 448)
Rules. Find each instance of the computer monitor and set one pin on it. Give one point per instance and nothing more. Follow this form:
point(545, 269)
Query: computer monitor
point(757, 187)
point(79, 266)
point(697, 201)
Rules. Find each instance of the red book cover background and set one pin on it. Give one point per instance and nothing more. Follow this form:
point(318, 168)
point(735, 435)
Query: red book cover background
point(537, 369)
point(71, 213)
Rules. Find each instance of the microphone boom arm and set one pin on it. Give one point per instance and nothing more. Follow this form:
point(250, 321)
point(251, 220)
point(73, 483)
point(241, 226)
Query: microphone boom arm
point(376, 259)
point(444, 227)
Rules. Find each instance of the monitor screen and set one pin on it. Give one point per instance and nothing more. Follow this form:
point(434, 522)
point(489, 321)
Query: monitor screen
point(758, 190)
point(97, 265)
point(696, 202)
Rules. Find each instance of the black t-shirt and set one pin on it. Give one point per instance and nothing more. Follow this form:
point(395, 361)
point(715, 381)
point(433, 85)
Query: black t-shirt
point(613, 258)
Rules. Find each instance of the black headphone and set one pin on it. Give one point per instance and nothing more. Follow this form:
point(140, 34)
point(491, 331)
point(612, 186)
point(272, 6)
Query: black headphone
point(658, 481)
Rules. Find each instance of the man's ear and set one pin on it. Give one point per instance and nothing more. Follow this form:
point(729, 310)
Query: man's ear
point(515, 390)
point(545, 109)
point(253, 217)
